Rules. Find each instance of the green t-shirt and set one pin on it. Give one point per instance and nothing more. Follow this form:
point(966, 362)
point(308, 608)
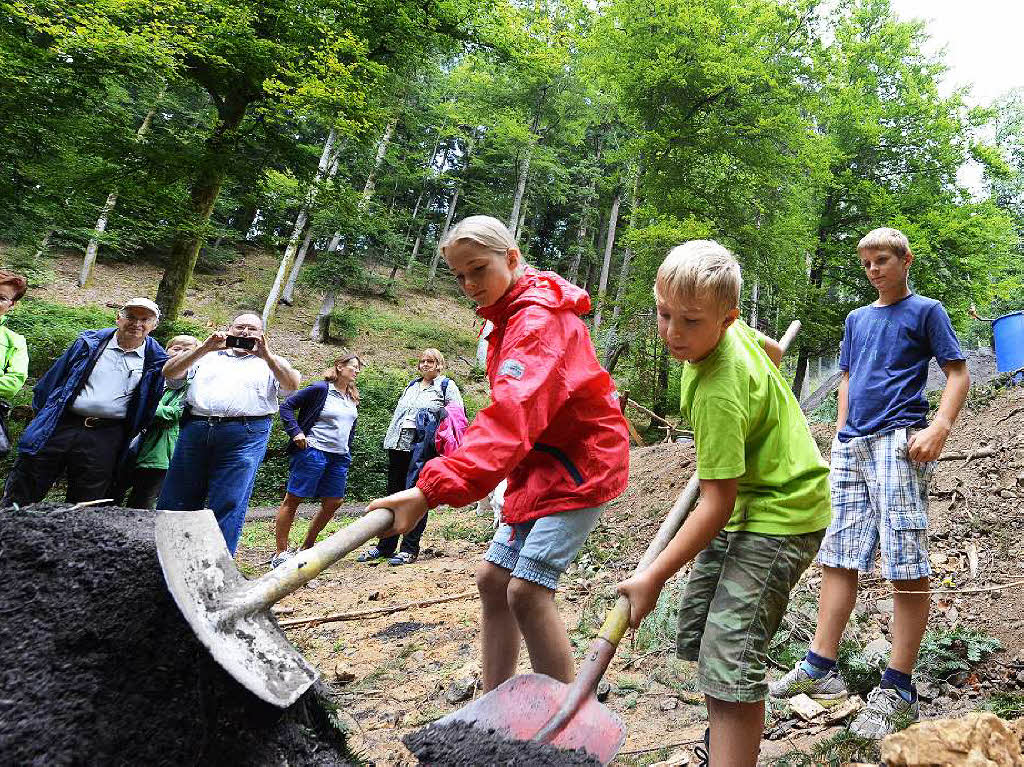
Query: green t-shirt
point(747, 424)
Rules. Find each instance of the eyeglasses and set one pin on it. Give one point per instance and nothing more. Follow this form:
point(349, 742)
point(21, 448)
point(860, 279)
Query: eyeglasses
point(6, 300)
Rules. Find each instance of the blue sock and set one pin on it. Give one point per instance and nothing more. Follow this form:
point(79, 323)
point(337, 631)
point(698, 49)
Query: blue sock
point(815, 666)
point(901, 683)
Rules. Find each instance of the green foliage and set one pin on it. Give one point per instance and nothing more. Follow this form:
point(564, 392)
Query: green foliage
point(945, 653)
point(835, 751)
point(50, 328)
point(1008, 705)
point(659, 628)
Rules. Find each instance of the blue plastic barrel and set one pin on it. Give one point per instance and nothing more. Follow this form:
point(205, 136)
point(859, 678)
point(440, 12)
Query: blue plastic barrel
point(1008, 338)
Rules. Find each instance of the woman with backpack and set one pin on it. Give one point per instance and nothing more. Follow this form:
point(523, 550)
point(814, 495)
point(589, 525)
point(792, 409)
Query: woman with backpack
point(412, 432)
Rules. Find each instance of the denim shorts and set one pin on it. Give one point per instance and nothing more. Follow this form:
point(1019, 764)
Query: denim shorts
point(879, 500)
point(318, 474)
point(540, 550)
point(734, 602)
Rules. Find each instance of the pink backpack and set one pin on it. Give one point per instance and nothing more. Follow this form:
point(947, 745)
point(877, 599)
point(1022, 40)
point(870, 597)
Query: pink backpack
point(450, 430)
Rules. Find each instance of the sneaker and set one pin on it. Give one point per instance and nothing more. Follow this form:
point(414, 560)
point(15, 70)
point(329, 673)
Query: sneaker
point(281, 557)
point(886, 712)
point(826, 689)
point(370, 555)
point(704, 752)
point(402, 558)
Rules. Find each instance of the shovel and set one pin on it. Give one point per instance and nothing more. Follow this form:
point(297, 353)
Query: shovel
point(569, 716)
point(231, 614)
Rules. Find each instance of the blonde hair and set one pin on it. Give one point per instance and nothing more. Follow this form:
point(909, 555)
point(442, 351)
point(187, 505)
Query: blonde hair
point(436, 356)
point(487, 232)
point(886, 238)
point(331, 375)
point(700, 269)
point(183, 339)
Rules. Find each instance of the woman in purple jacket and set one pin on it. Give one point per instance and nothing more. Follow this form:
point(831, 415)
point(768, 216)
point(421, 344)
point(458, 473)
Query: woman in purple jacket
point(321, 447)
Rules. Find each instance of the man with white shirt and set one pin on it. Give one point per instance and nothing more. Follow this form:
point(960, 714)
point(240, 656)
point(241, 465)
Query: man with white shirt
point(234, 384)
point(88, 407)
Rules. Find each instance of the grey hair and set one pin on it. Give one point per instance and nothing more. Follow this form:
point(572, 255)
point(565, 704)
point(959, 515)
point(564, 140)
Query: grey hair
point(700, 269)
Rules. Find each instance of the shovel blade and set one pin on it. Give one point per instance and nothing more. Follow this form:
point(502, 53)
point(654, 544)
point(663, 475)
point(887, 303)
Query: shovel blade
point(202, 577)
point(522, 705)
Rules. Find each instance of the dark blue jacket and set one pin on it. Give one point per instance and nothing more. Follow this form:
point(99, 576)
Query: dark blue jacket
point(423, 444)
point(310, 403)
point(65, 379)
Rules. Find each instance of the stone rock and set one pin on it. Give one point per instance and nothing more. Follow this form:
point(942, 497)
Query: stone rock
point(805, 707)
point(927, 690)
point(952, 615)
point(678, 759)
point(343, 674)
point(851, 705)
point(460, 690)
point(603, 690)
point(876, 652)
point(669, 704)
point(977, 740)
point(884, 606)
point(374, 596)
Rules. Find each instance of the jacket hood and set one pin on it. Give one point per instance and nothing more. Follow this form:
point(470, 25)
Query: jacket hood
point(537, 288)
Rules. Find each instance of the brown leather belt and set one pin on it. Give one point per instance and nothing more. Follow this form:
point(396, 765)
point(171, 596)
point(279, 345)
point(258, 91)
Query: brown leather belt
point(92, 421)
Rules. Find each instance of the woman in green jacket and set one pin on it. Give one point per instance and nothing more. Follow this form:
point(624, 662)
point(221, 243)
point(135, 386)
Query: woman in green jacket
point(13, 350)
point(147, 478)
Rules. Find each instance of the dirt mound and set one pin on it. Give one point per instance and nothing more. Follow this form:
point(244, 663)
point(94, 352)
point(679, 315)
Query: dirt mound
point(459, 744)
point(977, 740)
point(99, 667)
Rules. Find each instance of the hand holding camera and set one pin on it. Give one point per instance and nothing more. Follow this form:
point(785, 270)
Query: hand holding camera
point(248, 343)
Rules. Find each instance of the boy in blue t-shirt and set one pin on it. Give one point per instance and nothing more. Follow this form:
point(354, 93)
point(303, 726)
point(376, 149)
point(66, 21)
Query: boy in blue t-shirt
point(882, 459)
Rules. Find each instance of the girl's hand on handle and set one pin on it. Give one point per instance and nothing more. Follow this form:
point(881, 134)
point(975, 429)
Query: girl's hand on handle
point(409, 506)
point(642, 592)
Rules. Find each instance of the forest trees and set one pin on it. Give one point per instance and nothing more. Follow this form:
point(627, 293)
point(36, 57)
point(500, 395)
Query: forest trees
point(349, 136)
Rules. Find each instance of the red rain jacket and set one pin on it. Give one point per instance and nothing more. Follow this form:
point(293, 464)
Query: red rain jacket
point(554, 427)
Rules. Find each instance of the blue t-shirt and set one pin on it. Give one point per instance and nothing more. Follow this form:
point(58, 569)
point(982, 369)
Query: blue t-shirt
point(886, 351)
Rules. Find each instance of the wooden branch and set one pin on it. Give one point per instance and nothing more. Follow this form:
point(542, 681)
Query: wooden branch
point(981, 452)
point(374, 613)
point(650, 413)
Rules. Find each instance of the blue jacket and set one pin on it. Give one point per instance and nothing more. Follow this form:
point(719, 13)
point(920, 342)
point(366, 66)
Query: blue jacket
point(310, 403)
point(65, 379)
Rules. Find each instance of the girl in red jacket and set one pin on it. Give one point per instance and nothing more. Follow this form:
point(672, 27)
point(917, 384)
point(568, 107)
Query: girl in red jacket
point(553, 428)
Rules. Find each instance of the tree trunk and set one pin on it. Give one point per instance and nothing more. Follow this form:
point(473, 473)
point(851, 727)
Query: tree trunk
point(444, 233)
point(318, 332)
point(321, 324)
point(285, 267)
point(609, 245)
point(815, 275)
point(521, 226)
point(581, 235)
point(755, 295)
point(101, 223)
point(627, 256)
point(517, 203)
point(170, 296)
point(289, 289)
point(94, 242)
point(44, 243)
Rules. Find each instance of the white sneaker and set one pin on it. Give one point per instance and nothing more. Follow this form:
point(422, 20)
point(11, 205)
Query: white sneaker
point(281, 557)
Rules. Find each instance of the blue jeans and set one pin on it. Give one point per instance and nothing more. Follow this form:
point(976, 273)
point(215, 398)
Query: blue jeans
point(216, 461)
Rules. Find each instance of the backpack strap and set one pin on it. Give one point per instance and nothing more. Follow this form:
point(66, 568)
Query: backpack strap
point(444, 387)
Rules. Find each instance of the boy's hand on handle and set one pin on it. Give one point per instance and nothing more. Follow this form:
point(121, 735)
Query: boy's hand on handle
point(409, 506)
point(927, 444)
point(300, 440)
point(642, 591)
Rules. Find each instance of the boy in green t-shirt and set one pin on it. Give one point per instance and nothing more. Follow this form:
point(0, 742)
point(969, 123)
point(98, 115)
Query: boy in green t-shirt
point(764, 496)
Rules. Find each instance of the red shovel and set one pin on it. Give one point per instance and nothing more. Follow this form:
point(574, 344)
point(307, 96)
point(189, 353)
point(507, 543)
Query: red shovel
point(569, 716)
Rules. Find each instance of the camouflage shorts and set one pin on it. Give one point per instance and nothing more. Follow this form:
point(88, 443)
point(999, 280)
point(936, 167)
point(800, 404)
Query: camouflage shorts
point(732, 606)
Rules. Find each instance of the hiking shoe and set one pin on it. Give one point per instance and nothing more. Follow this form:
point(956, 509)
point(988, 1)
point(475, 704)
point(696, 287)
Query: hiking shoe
point(886, 712)
point(371, 554)
point(281, 557)
point(704, 752)
point(402, 558)
point(828, 688)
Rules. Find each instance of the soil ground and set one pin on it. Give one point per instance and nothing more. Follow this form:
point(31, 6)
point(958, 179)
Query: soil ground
point(98, 666)
point(395, 673)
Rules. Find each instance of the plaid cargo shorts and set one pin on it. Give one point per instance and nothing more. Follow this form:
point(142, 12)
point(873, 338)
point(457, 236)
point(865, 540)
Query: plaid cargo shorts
point(733, 604)
point(879, 500)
